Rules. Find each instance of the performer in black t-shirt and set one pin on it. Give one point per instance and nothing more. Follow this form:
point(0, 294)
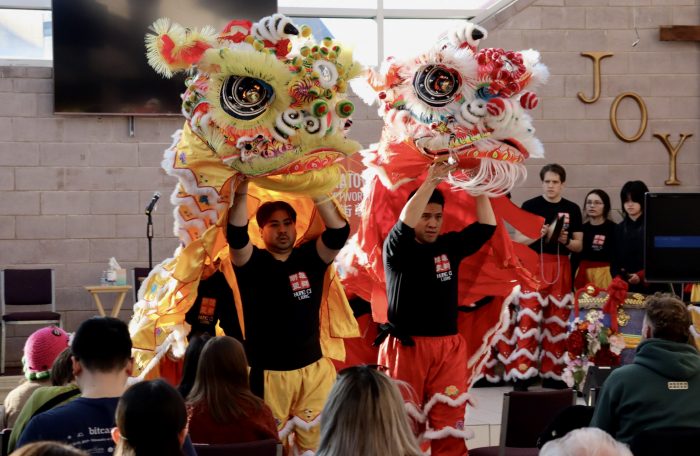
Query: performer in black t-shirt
point(549, 306)
point(424, 348)
point(593, 262)
point(214, 304)
point(281, 288)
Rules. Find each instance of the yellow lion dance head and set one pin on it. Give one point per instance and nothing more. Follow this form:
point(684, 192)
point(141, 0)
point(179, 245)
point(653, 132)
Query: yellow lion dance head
point(263, 100)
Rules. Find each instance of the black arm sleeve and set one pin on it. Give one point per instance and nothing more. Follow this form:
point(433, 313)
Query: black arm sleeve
point(237, 236)
point(334, 238)
point(470, 239)
point(399, 244)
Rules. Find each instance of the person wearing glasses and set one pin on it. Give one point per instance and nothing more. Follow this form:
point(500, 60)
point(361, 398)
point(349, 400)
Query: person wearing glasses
point(422, 346)
point(598, 242)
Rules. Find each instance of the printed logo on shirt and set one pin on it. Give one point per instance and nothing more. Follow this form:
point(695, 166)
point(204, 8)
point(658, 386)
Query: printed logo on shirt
point(301, 287)
point(598, 241)
point(678, 385)
point(206, 310)
point(443, 269)
point(566, 219)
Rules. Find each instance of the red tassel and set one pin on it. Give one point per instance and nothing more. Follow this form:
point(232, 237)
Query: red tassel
point(236, 30)
point(189, 55)
point(617, 293)
point(167, 48)
point(192, 54)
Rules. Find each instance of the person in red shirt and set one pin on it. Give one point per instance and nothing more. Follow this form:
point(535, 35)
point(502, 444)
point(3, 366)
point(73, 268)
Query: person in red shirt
point(221, 407)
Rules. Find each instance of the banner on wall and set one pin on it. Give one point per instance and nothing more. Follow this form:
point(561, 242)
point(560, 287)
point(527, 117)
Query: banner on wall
point(349, 192)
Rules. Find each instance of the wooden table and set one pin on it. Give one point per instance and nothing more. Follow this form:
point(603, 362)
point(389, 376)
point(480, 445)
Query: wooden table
point(97, 290)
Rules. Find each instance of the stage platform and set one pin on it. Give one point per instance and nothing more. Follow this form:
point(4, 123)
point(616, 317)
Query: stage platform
point(484, 419)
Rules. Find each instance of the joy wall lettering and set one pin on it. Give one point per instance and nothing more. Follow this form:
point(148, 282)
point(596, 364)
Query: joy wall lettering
point(672, 150)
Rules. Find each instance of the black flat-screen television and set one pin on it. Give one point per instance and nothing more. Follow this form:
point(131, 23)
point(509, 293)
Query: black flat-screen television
point(99, 56)
point(672, 237)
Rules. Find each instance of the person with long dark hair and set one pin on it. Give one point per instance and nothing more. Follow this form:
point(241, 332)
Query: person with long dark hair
point(151, 419)
point(221, 407)
point(189, 368)
point(598, 242)
point(628, 262)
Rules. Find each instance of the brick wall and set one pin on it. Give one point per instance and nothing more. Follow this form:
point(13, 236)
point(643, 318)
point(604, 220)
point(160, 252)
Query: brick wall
point(73, 189)
point(579, 135)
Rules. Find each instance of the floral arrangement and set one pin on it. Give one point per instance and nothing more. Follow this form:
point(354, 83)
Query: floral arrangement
point(590, 343)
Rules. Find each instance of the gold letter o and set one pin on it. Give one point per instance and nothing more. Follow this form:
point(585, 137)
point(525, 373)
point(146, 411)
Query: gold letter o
point(613, 116)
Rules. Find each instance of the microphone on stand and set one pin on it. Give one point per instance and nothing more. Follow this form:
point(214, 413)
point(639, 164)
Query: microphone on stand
point(153, 202)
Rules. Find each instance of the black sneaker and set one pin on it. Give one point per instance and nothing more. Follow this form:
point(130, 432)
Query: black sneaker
point(522, 385)
point(553, 384)
point(484, 383)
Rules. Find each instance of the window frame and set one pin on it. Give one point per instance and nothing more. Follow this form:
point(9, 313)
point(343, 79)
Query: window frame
point(378, 14)
point(38, 5)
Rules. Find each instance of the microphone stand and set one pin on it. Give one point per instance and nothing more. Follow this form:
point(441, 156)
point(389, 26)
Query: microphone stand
point(149, 235)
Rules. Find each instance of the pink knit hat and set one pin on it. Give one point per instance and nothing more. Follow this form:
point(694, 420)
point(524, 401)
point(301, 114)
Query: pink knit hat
point(41, 350)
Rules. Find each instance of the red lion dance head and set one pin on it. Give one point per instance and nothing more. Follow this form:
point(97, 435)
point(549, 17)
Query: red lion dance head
point(456, 103)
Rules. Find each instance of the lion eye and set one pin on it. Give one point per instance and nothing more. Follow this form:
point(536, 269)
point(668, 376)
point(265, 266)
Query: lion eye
point(312, 125)
point(436, 85)
point(245, 98)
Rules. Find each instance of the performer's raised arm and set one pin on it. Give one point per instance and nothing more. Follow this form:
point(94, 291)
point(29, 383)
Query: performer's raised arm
point(415, 207)
point(484, 211)
point(337, 230)
point(237, 231)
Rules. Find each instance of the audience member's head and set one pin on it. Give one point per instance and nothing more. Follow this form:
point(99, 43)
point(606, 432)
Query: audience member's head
point(365, 414)
point(569, 419)
point(222, 380)
point(41, 350)
point(632, 198)
point(48, 449)
point(666, 318)
point(596, 200)
point(102, 344)
point(62, 369)
point(151, 419)
point(189, 368)
point(585, 442)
